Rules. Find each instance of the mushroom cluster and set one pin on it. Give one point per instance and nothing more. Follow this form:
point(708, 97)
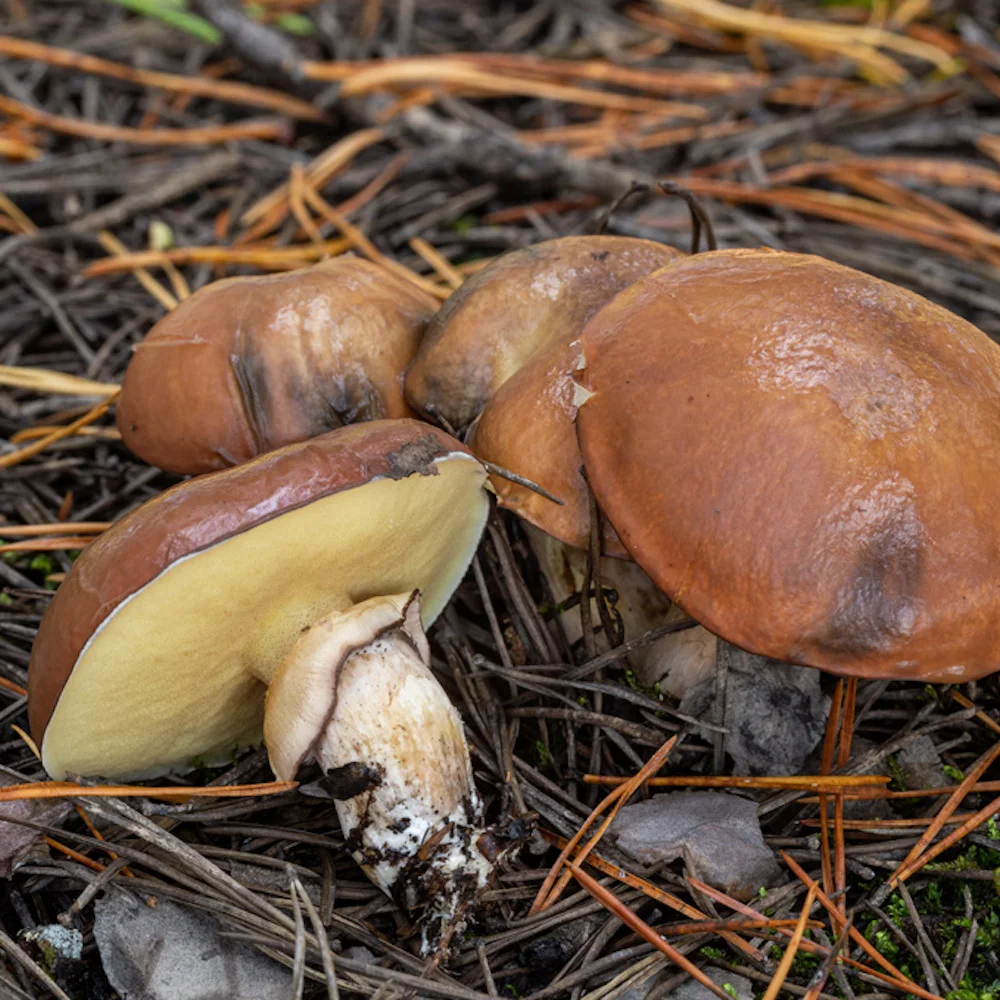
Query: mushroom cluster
point(798, 456)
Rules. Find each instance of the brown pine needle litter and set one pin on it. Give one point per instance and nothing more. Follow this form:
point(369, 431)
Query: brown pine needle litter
point(555, 881)
point(238, 93)
point(70, 789)
point(42, 380)
point(83, 129)
point(636, 923)
point(432, 139)
point(30, 451)
point(805, 782)
point(70, 544)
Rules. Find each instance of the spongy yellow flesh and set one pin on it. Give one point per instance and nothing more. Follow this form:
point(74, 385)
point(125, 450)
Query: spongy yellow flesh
point(178, 673)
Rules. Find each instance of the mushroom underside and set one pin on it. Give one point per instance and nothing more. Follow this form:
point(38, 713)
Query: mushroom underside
point(189, 655)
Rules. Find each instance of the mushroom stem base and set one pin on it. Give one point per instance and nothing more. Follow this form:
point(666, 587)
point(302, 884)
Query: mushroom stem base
point(677, 662)
point(361, 700)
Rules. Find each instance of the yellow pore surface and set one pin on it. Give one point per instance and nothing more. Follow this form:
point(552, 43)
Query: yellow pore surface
point(177, 674)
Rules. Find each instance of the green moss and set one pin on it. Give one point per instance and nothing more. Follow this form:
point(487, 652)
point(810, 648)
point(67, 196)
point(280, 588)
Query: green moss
point(968, 989)
point(42, 563)
point(543, 756)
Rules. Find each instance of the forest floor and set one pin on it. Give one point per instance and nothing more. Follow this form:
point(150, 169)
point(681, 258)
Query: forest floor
point(148, 148)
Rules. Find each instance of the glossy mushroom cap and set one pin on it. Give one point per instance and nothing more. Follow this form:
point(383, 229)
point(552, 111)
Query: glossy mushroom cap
point(250, 364)
point(806, 458)
point(158, 647)
point(501, 349)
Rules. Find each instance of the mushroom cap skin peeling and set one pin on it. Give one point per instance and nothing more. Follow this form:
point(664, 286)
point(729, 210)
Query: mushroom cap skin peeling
point(806, 459)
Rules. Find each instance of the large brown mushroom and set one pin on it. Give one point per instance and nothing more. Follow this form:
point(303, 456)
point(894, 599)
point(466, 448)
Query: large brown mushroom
point(250, 364)
point(286, 596)
point(499, 359)
point(806, 459)
point(501, 350)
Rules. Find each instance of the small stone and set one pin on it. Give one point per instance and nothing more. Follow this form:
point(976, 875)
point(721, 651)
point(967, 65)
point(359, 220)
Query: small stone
point(359, 953)
point(740, 988)
point(717, 834)
point(921, 764)
point(16, 839)
point(775, 713)
point(554, 950)
point(171, 952)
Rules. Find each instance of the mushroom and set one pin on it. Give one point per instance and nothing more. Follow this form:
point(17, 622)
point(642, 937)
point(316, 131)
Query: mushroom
point(287, 596)
point(805, 458)
point(250, 364)
point(498, 361)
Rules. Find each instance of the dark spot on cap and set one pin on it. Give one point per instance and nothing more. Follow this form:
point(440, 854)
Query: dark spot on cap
point(878, 606)
point(251, 380)
point(600, 254)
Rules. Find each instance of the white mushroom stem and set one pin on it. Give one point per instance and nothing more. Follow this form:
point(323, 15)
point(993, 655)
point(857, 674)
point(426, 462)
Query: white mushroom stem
point(677, 662)
point(357, 695)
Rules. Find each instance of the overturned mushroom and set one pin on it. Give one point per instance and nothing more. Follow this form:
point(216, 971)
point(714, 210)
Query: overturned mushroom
point(250, 364)
point(303, 576)
point(499, 358)
point(805, 458)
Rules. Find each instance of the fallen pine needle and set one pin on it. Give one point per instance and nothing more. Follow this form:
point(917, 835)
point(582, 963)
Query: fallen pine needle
point(143, 137)
point(22, 454)
point(733, 924)
point(321, 170)
point(363, 245)
point(615, 906)
point(72, 543)
point(904, 984)
point(980, 715)
point(234, 93)
point(97, 835)
point(462, 73)
point(862, 41)
point(915, 793)
point(12, 687)
point(33, 433)
point(113, 245)
point(69, 789)
point(59, 528)
point(792, 949)
point(977, 819)
point(655, 892)
point(438, 261)
point(856, 936)
point(265, 258)
point(56, 383)
point(16, 215)
point(75, 855)
point(555, 882)
point(891, 824)
point(822, 974)
point(806, 782)
point(945, 812)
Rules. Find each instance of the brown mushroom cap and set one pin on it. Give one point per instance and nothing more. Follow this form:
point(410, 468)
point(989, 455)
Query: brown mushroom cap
point(806, 458)
point(250, 364)
point(501, 348)
point(519, 303)
point(158, 646)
